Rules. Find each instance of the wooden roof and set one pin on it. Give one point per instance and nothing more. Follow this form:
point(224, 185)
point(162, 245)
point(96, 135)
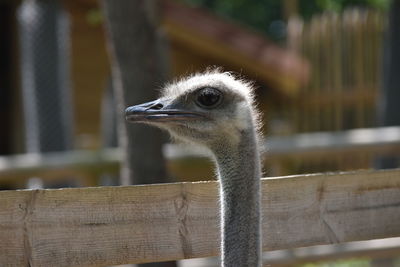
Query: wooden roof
point(242, 47)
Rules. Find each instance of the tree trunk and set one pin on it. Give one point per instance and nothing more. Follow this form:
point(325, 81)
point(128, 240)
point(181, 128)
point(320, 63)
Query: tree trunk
point(138, 69)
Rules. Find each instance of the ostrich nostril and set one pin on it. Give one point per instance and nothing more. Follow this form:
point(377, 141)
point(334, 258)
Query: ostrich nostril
point(157, 106)
point(154, 105)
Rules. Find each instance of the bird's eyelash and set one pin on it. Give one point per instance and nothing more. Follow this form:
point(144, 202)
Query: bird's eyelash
point(186, 97)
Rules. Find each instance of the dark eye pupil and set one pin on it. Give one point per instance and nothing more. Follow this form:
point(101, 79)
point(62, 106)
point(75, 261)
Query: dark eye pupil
point(208, 97)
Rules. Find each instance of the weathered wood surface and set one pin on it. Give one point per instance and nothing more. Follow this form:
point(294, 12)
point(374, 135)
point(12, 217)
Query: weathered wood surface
point(116, 225)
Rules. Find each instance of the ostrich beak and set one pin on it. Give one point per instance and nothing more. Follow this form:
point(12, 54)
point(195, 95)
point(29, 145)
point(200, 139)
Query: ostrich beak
point(159, 111)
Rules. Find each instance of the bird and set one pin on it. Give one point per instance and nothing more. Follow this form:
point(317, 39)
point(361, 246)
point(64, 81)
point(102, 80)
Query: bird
point(217, 110)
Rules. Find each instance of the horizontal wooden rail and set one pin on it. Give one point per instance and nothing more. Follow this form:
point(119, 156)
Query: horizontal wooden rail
point(375, 140)
point(117, 225)
point(59, 163)
point(377, 248)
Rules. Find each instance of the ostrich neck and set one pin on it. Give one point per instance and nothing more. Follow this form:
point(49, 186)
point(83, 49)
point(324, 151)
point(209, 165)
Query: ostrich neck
point(239, 173)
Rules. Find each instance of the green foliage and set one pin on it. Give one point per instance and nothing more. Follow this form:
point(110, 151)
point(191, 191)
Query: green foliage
point(267, 15)
point(94, 17)
point(258, 14)
point(341, 263)
point(308, 8)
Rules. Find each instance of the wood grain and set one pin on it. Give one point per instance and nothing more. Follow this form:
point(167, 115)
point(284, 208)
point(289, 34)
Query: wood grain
point(117, 225)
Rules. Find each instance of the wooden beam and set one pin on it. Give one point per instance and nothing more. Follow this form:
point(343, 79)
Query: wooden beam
point(376, 140)
point(314, 145)
point(385, 140)
point(59, 164)
point(347, 97)
point(376, 249)
point(117, 225)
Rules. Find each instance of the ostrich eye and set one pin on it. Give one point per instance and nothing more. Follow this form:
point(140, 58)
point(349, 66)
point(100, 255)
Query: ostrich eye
point(208, 97)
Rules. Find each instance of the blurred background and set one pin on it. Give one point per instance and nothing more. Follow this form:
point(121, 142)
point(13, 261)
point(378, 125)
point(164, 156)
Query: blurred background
point(325, 73)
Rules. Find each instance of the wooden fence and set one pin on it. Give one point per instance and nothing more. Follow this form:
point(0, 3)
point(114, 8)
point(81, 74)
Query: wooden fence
point(188, 164)
point(135, 224)
point(344, 51)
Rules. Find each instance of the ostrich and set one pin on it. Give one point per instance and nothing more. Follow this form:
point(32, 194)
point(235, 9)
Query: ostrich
point(217, 110)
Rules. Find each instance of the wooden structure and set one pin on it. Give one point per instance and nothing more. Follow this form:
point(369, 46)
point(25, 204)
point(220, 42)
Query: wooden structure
point(116, 225)
point(344, 51)
point(191, 164)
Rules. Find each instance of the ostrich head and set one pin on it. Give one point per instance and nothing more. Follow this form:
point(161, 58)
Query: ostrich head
point(208, 109)
point(216, 110)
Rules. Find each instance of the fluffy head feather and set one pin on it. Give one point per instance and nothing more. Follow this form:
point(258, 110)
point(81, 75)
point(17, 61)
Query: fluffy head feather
point(214, 109)
point(242, 106)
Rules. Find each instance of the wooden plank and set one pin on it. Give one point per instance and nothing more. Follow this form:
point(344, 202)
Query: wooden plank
point(385, 140)
point(377, 248)
point(117, 225)
point(369, 249)
point(332, 95)
point(59, 164)
point(376, 140)
point(313, 145)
